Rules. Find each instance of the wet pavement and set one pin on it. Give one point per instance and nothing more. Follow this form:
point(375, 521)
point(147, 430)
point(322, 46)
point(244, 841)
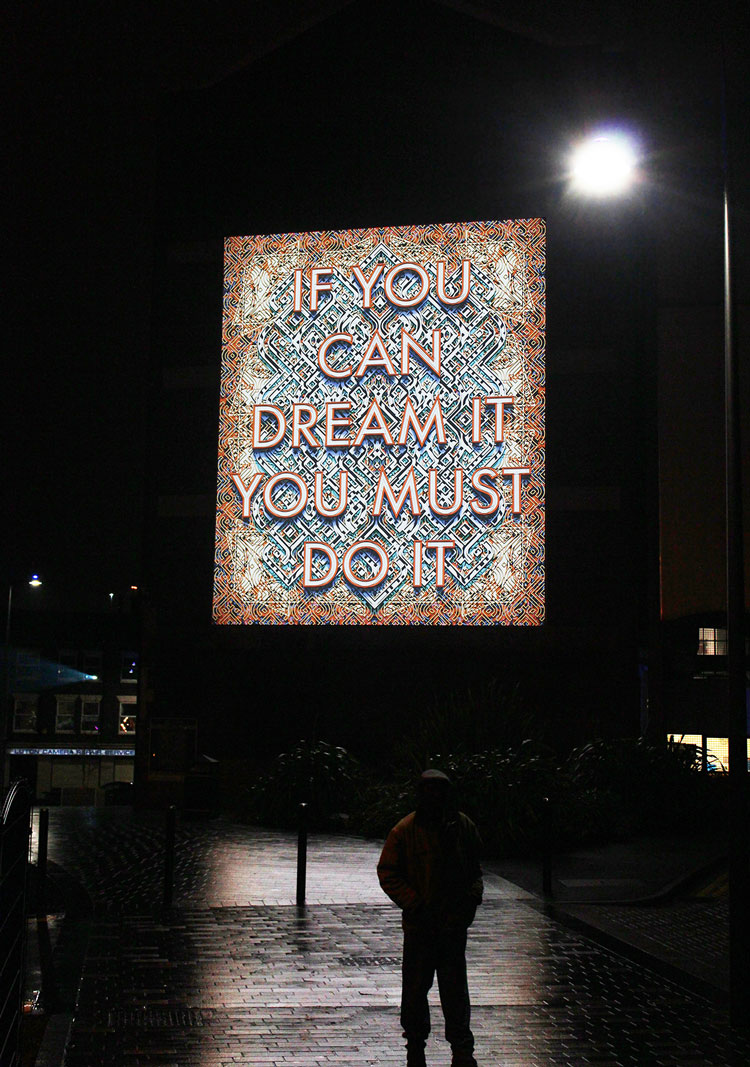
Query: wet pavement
point(235, 973)
point(639, 896)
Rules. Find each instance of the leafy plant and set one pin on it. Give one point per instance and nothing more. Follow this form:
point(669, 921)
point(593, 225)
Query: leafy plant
point(325, 777)
point(381, 803)
point(638, 785)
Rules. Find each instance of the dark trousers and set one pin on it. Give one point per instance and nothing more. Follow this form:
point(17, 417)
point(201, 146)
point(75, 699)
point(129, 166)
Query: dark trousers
point(428, 951)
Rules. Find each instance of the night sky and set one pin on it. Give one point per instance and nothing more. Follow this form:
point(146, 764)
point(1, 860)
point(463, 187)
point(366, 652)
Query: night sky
point(125, 126)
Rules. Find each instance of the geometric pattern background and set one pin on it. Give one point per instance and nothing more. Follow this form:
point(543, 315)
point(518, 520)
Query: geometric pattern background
point(492, 345)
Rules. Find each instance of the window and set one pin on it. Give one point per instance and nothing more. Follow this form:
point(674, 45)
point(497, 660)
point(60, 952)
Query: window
point(92, 664)
point(65, 716)
point(24, 713)
point(90, 711)
point(711, 641)
point(716, 749)
point(127, 715)
point(129, 667)
point(718, 753)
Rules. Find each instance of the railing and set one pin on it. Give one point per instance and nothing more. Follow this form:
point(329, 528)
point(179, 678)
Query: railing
point(14, 850)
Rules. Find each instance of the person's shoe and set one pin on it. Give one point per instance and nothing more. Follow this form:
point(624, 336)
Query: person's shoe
point(463, 1059)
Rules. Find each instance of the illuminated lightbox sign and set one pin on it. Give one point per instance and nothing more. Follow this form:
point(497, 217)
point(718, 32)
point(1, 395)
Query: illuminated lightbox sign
point(381, 443)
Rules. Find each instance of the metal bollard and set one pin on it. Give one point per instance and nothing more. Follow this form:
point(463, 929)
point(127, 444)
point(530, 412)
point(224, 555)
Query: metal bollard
point(41, 861)
point(546, 851)
point(169, 836)
point(302, 855)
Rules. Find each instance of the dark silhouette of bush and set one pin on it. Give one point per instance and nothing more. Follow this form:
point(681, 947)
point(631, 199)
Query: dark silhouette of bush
point(323, 776)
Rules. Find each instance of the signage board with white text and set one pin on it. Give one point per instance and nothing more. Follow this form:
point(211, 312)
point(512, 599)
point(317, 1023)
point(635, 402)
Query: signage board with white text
point(381, 440)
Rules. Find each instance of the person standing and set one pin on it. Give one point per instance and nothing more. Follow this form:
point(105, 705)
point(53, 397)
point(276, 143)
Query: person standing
point(430, 868)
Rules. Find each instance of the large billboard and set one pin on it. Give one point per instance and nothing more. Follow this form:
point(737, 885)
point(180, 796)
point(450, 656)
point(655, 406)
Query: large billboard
point(381, 436)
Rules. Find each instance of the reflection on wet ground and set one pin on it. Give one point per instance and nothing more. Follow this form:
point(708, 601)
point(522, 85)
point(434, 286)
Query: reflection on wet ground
point(235, 973)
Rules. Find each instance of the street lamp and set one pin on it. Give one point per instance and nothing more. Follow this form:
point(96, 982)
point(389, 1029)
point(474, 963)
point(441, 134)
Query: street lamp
point(605, 165)
point(34, 581)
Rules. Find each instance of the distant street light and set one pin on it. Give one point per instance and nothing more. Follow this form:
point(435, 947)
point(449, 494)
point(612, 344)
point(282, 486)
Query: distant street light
point(605, 165)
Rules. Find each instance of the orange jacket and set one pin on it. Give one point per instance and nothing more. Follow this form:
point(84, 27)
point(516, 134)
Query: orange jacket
point(432, 871)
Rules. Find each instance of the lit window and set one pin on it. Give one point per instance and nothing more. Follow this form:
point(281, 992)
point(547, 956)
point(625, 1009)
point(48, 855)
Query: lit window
point(712, 642)
point(24, 713)
point(129, 667)
point(718, 753)
point(686, 739)
point(127, 714)
point(90, 710)
point(65, 715)
point(717, 749)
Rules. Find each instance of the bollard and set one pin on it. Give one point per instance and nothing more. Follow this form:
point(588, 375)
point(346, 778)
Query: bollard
point(546, 851)
point(302, 855)
point(41, 861)
point(169, 835)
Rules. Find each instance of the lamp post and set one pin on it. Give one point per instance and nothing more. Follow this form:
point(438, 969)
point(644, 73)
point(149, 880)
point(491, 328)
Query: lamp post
point(739, 856)
point(34, 581)
point(604, 166)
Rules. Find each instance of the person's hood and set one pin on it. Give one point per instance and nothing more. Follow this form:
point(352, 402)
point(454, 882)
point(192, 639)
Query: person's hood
point(449, 808)
point(433, 775)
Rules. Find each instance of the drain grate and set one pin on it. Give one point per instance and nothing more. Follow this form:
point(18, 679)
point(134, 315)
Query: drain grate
point(155, 1018)
point(370, 961)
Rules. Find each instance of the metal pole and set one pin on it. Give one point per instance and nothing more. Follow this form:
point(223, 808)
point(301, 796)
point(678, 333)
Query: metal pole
point(546, 851)
point(739, 865)
point(169, 836)
point(739, 869)
point(302, 855)
point(41, 862)
point(6, 712)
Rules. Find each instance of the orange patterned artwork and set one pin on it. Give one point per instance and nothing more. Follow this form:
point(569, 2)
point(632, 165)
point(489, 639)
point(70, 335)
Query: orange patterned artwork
point(381, 442)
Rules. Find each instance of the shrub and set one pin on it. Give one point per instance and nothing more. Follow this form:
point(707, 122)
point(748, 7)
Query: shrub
point(325, 777)
point(380, 804)
point(504, 791)
point(519, 795)
point(637, 786)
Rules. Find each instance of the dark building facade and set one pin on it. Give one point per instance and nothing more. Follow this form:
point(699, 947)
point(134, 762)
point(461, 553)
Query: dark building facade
point(695, 686)
point(456, 132)
point(143, 142)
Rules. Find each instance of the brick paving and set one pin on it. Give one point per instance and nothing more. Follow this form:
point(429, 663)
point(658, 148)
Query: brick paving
point(692, 935)
point(234, 973)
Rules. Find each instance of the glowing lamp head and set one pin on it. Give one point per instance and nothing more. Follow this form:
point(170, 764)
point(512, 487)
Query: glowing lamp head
point(35, 581)
point(603, 165)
